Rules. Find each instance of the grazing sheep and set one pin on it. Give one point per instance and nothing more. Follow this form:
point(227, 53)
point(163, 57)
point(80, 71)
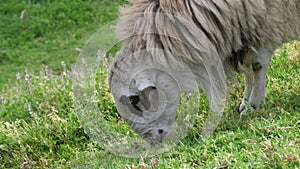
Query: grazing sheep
point(213, 38)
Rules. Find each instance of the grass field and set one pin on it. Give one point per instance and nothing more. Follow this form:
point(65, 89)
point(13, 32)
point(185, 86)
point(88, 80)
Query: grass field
point(38, 123)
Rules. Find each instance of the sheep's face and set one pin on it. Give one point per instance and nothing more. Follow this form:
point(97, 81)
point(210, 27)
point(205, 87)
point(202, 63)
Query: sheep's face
point(147, 89)
point(148, 103)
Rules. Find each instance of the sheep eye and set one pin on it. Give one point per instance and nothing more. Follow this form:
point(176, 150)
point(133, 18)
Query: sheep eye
point(134, 100)
point(148, 98)
point(131, 102)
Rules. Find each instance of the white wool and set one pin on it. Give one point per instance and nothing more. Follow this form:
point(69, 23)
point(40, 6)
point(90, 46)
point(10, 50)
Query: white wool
point(202, 34)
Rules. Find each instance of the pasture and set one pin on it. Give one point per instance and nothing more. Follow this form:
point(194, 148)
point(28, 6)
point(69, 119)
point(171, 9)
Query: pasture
point(39, 42)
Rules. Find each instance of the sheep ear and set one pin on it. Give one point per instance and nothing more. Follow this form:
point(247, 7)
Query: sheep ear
point(131, 102)
point(149, 98)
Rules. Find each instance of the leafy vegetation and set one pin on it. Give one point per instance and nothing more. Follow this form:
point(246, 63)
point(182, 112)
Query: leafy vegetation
point(38, 123)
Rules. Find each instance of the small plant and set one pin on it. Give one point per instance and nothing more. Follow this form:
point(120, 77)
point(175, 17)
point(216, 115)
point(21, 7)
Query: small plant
point(38, 122)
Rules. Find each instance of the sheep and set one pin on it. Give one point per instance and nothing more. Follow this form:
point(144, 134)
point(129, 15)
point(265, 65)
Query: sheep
point(206, 41)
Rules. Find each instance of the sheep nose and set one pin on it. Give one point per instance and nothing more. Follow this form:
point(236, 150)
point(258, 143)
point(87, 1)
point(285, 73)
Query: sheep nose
point(161, 131)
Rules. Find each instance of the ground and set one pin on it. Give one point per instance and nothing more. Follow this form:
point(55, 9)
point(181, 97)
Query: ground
point(39, 127)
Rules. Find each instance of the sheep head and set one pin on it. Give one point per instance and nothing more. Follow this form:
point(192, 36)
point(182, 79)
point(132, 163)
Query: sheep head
point(147, 94)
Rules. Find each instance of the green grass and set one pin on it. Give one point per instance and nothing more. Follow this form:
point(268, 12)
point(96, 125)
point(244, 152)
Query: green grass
point(49, 32)
point(38, 123)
